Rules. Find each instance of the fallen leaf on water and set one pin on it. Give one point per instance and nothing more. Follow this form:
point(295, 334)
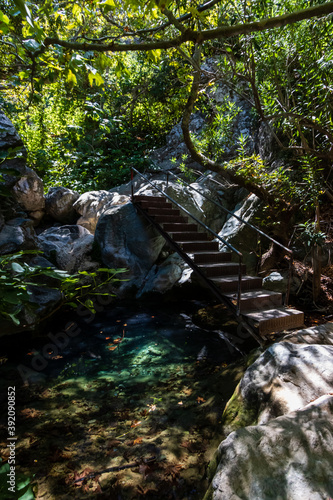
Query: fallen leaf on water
point(112, 348)
point(144, 469)
point(31, 413)
point(200, 400)
point(137, 441)
point(173, 470)
point(135, 423)
point(116, 341)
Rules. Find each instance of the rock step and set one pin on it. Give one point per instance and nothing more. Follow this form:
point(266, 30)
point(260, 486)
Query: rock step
point(183, 236)
point(177, 227)
point(276, 320)
point(204, 257)
point(193, 246)
point(230, 283)
point(255, 300)
point(221, 269)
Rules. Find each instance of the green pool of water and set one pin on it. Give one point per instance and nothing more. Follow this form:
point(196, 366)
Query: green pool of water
point(126, 406)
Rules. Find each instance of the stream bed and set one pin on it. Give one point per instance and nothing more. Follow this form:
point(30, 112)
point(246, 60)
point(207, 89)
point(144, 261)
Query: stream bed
point(125, 406)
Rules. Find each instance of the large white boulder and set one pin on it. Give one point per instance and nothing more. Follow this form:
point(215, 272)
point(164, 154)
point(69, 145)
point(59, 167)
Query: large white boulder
point(280, 424)
point(288, 458)
point(126, 240)
point(286, 377)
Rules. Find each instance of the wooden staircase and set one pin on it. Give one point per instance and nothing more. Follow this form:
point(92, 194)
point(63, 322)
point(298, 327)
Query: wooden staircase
point(262, 310)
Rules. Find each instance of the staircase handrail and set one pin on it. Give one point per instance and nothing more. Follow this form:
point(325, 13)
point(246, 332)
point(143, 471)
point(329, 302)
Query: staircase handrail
point(232, 248)
point(248, 224)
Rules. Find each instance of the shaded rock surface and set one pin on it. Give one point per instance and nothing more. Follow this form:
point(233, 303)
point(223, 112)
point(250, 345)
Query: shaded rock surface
point(289, 457)
point(59, 204)
point(10, 139)
point(163, 277)
point(125, 240)
point(18, 234)
point(286, 394)
point(68, 247)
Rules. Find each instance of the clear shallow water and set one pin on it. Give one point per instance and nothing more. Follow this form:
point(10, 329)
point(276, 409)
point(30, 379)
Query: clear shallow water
point(133, 384)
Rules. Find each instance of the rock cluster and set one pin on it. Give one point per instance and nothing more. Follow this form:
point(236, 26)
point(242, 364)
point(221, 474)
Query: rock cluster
point(283, 415)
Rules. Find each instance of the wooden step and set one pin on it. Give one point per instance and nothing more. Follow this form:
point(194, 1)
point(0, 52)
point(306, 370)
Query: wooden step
point(189, 236)
point(192, 246)
point(177, 227)
point(276, 320)
point(222, 269)
point(162, 211)
point(144, 197)
point(211, 257)
point(155, 204)
point(162, 219)
point(255, 300)
point(230, 283)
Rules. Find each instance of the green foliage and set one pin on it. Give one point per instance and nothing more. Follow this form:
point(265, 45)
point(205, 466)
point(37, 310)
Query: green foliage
point(87, 116)
point(17, 277)
point(216, 138)
point(23, 485)
point(309, 234)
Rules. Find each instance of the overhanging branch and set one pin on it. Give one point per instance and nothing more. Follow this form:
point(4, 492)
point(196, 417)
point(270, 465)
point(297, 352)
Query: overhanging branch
point(199, 37)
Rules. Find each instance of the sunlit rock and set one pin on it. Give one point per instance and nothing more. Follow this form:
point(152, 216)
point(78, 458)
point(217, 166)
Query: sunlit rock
point(92, 204)
point(290, 457)
point(59, 204)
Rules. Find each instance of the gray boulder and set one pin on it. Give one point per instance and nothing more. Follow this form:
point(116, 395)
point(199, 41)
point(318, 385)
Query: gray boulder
point(92, 204)
point(286, 377)
point(59, 204)
point(18, 234)
point(278, 282)
point(68, 247)
point(241, 236)
point(29, 192)
point(127, 241)
point(289, 457)
point(9, 139)
point(163, 277)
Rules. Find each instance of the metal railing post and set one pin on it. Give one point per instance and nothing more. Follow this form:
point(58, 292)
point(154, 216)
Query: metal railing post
point(239, 291)
point(132, 189)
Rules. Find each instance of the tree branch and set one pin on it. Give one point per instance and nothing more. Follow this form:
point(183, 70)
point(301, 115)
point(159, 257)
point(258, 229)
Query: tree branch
point(260, 191)
point(199, 37)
